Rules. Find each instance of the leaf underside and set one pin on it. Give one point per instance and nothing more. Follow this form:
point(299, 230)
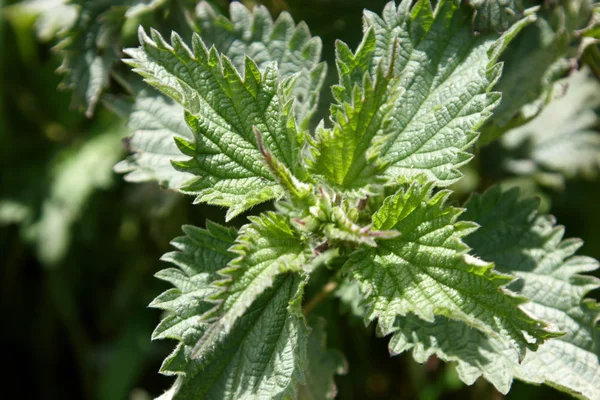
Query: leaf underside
point(155, 121)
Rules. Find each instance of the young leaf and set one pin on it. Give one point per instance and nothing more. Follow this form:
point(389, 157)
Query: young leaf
point(264, 354)
point(328, 217)
point(255, 35)
point(222, 110)
point(561, 140)
point(267, 247)
point(322, 364)
point(155, 121)
point(301, 194)
point(447, 85)
point(345, 157)
point(529, 246)
point(427, 271)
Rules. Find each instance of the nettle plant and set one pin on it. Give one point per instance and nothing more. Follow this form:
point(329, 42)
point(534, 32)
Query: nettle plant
point(492, 286)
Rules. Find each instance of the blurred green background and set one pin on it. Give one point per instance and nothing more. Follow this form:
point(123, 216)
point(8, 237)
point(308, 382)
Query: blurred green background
point(79, 246)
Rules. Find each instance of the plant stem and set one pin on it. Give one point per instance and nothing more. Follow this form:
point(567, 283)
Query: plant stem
point(322, 295)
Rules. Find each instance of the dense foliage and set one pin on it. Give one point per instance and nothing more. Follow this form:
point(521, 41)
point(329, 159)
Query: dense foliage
point(346, 209)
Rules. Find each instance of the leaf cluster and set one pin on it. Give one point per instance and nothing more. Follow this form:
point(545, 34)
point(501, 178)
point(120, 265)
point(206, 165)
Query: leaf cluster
point(360, 199)
point(361, 194)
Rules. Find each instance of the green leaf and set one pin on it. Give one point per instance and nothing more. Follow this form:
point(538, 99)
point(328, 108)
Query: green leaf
point(53, 17)
point(248, 33)
point(262, 357)
point(322, 364)
point(592, 30)
point(254, 34)
point(90, 33)
point(495, 15)
point(351, 300)
point(545, 47)
point(427, 271)
point(577, 15)
point(200, 254)
point(155, 121)
point(345, 157)
point(13, 212)
point(268, 340)
point(139, 7)
point(529, 246)
point(447, 85)
point(79, 172)
point(298, 192)
point(88, 52)
point(222, 109)
point(533, 250)
point(267, 247)
point(562, 139)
